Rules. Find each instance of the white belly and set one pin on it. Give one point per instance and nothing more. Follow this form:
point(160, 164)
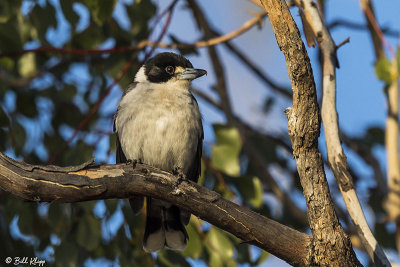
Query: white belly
point(161, 128)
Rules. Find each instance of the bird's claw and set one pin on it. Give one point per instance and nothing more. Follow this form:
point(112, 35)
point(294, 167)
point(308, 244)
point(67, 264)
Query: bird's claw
point(181, 176)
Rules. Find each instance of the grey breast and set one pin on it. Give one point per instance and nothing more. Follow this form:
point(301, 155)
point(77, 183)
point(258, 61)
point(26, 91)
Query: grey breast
point(161, 127)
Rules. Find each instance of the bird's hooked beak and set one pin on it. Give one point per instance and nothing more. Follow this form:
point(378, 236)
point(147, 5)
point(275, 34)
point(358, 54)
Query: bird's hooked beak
point(191, 74)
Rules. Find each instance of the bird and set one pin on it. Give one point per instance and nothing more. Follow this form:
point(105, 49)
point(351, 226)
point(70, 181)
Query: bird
point(158, 123)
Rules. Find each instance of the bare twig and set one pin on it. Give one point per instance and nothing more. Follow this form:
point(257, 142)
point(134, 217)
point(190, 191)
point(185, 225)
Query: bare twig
point(366, 6)
point(368, 158)
point(209, 42)
point(285, 91)
point(345, 41)
point(359, 26)
point(336, 156)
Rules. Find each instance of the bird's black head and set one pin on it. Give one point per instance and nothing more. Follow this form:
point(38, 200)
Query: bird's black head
point(169, 66)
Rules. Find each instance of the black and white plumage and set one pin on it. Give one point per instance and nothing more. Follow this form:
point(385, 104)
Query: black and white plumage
point(158, 122)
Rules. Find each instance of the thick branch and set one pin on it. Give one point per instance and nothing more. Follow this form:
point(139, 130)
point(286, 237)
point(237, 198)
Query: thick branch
point(331, 246)
point(392, 204)
point(248, 147)
point(336, 156)
point(34, 183)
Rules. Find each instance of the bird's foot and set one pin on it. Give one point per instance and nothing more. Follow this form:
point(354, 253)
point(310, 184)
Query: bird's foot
point(134, 162)
point(181, 176)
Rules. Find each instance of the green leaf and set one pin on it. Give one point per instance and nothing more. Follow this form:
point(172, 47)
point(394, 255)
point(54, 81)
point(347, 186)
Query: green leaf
point(27, 65)
point(112, 140)
point(55, 217)
point(42, 19)
point(88, 234)
point(9, 39)
point(256, 198)
point(86, 206)
point(251, 189)
point(195, 245)
point(139, 13)
point(68, 92)
point(4, 121)
point(66, 255)
point(243, 253)
point(26, 105)
point(225, 155)
point(398, 60)
point(227, 135)
point(69, 13)
point(111, 205)
point(18, 137)
point(225, 158)
point(264, 255)
point(25, 221)
point(169, 258)
point(115, 68)
point(220, 248)
point(6, 63)
point(100, 12)
point(383, 70)
point(202, 174)
point(81, 152)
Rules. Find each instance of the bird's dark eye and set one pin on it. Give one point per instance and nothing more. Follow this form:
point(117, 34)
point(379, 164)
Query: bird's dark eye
point(170, 69)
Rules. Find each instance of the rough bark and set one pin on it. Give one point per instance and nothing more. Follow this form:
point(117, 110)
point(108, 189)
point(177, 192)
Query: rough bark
point(330, 245)
point(336, 155)
point(225, 105)
point(83, 183)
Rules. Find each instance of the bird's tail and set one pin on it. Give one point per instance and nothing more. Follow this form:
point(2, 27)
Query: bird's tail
point(163, 227)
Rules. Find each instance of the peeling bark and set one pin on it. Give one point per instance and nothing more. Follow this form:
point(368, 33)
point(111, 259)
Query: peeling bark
point(83, 183)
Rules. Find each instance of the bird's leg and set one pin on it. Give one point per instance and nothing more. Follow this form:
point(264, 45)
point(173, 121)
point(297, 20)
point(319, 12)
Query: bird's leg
point(177, 171)
point(133, 162)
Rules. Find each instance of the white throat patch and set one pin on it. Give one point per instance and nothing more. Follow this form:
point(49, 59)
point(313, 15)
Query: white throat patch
point(140, 76)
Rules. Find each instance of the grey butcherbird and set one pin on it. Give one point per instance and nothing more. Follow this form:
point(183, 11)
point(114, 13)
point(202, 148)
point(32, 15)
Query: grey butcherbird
point(158, 122)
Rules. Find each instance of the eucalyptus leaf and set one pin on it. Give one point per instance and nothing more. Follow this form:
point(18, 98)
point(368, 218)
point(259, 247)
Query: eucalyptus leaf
point(88, 234)
point(194, 247)
point(225, 154)
point(27, 65)
point(220, 248)
point(383, 70)
point(170, 258)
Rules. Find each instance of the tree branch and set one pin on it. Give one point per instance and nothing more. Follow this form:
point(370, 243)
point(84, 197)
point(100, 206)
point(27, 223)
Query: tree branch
point(392, 202)
point(248, 147)
point(336, 156)
point(83, 183)
point(331, 246)
point(209, 42)
point(358, 26)
point(285, 91)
